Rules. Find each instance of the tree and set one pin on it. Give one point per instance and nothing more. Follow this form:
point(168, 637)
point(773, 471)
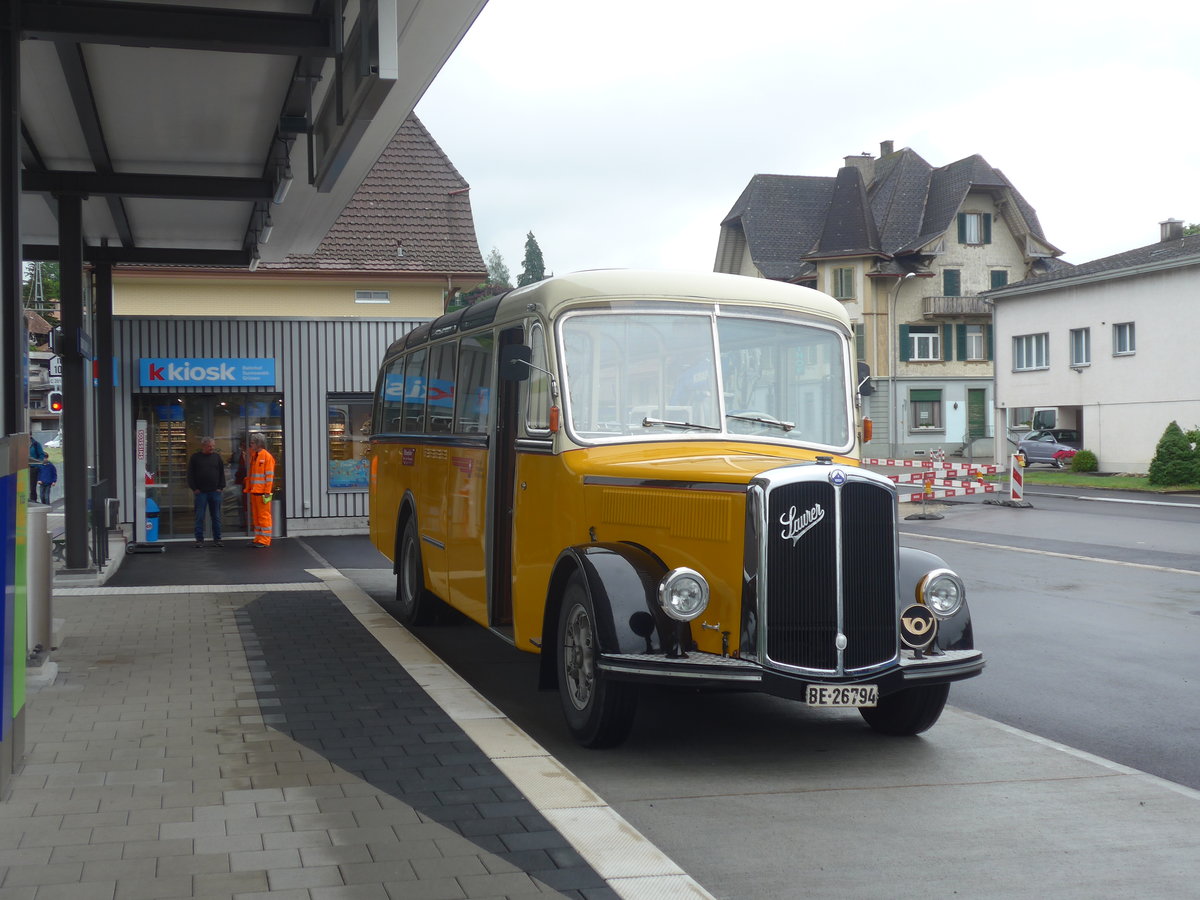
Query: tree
point(1193, 228)
point(1175, 460)
point(533, 268)
point(498, 276)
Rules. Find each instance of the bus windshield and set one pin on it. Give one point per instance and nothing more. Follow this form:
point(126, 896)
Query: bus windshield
point(655, 374)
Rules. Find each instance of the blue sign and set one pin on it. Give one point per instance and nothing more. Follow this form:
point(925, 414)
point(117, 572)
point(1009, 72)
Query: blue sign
point(207, 372)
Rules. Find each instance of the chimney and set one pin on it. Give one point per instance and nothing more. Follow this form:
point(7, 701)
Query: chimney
point(1170, 230)
point(886, 148)
point(865, 163)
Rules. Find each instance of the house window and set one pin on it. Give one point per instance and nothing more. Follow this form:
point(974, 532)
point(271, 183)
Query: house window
point(1031, 351)
point(843, 283)
point(976, 342)
point(372, 297)
point(924, 343)
point(1123, 339)
point(926, 407)
point(951, 282)
point(974, 228)
point(999, 278)
point(860, 340)
point(1081, 346)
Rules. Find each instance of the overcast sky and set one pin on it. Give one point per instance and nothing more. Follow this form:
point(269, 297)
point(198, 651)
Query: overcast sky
point(620, 133)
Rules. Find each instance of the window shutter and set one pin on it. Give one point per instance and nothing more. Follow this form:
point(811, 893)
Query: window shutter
point(999, 277)
point(987, 228)
point(960, 339)
point(962, 228)
point(951, 283)
point(905, 353)
point(918, 395)
point(947, 342)
point(987, 342)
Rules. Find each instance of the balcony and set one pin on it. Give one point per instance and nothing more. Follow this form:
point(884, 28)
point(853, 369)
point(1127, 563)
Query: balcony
point(954, 307)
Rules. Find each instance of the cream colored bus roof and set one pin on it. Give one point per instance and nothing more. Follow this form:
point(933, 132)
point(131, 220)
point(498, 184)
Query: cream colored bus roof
point(553, 293)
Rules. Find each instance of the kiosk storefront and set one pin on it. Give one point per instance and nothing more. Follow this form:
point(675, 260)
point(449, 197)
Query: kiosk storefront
point(305, 384)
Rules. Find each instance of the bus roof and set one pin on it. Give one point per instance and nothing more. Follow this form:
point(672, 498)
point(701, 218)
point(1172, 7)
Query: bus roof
point(599, 284)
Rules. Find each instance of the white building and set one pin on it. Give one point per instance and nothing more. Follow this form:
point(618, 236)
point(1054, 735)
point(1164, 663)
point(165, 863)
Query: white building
point(1111, 343)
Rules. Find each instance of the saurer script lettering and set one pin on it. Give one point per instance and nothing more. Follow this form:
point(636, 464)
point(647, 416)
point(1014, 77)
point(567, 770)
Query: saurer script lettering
point(795, 527)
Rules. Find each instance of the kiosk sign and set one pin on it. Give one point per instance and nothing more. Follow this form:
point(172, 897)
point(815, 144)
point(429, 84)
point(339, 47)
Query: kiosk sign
point(211, 372)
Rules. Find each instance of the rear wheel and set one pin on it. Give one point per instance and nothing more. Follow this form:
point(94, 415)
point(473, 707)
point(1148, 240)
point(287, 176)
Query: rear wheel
point(907, 712)
point(416, 605)
point(599, 711)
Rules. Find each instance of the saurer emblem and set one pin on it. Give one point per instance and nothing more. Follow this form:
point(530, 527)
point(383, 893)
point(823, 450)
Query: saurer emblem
point(795, 527)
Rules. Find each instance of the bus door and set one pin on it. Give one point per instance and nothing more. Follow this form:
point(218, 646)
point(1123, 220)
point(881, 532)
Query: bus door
point(504, 485)
point(467, 478)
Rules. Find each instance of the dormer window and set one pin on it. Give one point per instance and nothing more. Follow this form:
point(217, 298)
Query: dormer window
point(974, 228)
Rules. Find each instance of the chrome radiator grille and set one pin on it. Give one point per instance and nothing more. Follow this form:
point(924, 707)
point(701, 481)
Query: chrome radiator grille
point(826, 543)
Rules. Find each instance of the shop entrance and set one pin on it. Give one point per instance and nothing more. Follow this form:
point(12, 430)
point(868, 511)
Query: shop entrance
point(176, 423)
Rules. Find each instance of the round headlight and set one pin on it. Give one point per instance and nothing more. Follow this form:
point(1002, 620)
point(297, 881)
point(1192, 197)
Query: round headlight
point(943, 592)
point(683, 594)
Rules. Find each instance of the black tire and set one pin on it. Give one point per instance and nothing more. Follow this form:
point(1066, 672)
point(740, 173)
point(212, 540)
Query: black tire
point(1058, 462)
point(415, 605)
point(599, 710)
point(907, 712)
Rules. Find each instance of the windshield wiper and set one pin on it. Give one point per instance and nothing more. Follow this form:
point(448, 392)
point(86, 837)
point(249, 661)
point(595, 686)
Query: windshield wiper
point(762, 420)
point(647, 422)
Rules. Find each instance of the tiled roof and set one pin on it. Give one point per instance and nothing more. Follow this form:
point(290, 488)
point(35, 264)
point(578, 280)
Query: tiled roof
point(1184, 251)
point(906, 204)
point(783, 217)
point(413, 200)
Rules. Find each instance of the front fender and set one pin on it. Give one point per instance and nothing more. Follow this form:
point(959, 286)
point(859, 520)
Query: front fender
point(954, 633)
point(622, 582)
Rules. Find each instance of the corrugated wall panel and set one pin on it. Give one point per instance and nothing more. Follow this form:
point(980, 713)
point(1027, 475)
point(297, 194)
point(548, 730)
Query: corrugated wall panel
point(313, 359)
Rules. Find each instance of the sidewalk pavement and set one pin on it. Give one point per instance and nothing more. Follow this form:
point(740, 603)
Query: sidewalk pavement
point(286, 738)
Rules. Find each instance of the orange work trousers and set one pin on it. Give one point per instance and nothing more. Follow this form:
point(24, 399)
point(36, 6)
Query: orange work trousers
point(260, 519)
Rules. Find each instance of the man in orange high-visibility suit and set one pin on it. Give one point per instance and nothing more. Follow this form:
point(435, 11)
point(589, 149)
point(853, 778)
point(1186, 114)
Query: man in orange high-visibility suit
point(260, 483)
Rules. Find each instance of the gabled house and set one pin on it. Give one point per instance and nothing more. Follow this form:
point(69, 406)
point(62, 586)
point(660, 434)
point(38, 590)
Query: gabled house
point(1108, 345)
point(907, 248)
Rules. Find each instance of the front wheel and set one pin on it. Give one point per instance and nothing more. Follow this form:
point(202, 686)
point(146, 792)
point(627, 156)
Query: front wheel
point(909, 711)
point(1058, 462)
point(599, 711)
point(415, 604)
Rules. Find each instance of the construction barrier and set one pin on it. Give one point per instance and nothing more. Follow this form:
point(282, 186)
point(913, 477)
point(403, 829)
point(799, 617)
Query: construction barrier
point(939, 478)
point(1016, 478)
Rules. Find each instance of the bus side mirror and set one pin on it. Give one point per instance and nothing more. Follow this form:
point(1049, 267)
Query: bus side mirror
point(865, 388)
point(514, 362)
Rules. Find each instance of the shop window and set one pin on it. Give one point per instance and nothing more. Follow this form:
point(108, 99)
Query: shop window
point(349, 431)
point(473, 406)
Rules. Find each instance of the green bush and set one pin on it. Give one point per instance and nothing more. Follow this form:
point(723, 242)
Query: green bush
point(1175, 461)
point(1084, 461)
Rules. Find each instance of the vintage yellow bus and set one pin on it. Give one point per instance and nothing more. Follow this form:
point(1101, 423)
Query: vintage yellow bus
point(653, 477)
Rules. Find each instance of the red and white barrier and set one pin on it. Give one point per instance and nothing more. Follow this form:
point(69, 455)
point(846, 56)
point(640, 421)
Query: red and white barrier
point(970, 472)
point(1016, 480)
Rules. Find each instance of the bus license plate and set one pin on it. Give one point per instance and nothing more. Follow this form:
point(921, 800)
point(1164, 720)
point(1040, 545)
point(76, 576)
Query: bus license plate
point(854, 695)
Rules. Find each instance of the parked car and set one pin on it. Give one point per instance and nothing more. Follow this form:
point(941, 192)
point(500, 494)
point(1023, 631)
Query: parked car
point(55, 442)
point(1052, 447)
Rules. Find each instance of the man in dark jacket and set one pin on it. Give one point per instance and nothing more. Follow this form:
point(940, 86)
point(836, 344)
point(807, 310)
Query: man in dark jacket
point(206, 478)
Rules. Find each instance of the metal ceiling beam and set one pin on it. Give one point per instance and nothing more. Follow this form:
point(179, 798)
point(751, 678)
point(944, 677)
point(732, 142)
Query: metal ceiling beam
point(70, 57)
point(179, 27)
point(155, 187)
point(148, 256)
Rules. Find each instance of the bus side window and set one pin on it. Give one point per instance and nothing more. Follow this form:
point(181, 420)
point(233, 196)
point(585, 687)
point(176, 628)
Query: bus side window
point(537, 388)
point(472, 398)
point(389, 411)
point(414, 391)
point(439, 407)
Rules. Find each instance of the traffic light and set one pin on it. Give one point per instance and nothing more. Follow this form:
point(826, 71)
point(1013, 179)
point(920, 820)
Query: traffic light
point(54, 401)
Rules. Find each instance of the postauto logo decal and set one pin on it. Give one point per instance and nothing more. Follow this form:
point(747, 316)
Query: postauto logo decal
point(189, 372)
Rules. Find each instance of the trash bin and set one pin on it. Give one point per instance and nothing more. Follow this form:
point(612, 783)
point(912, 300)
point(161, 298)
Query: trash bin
point(151, 520)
